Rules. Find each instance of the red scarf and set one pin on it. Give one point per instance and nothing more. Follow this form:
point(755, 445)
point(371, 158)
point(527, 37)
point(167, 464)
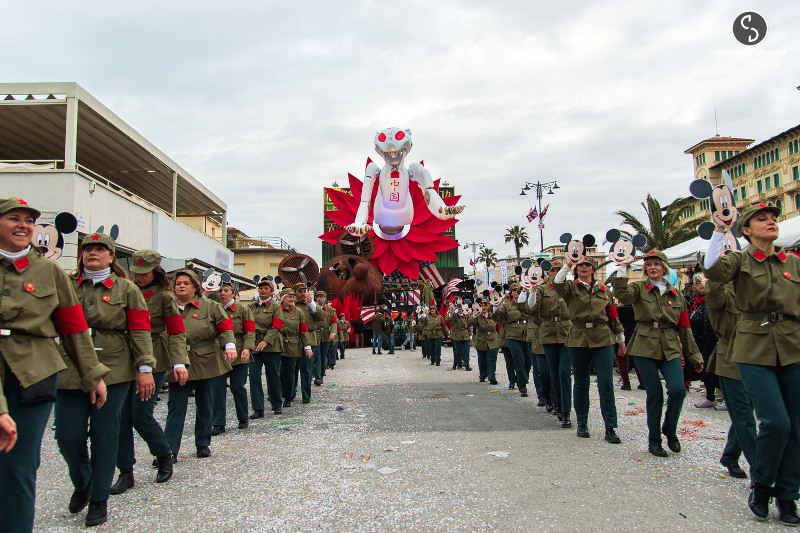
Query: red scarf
point(699, 300)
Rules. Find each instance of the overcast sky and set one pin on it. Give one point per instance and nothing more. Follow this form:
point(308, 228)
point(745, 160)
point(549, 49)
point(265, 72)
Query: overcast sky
point(266, 102)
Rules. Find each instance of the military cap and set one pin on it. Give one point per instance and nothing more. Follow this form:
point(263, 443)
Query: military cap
point(264, 281)
point(300, 286)
point(320, 293)
point(747, 214)
point(556, 263)
point(192, 275)
point(145, 261)
point(100, 238)
point(233, 284)
point(588, 260)
point(657, 254)
point(286, 291)
point(9, 204)
point(341, 315)
point(515, 287)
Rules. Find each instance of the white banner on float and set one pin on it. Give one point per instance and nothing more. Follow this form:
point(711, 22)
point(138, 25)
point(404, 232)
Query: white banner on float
point(503, 273)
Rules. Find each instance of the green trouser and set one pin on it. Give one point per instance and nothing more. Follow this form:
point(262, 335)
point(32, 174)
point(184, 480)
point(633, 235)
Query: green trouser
point(560, 376)
point(272, 362)
point(78, 418)
point(542, 370)
point(742, 434)
point(435, 346)
point(238, 377)
point(289, 366)
point(603, 359)
point(332, 346)
point(521, 362)
point(138, 415)
point(18, 467)
point(176, 413)
point(320, 360)
point(304, 366)
point(461, 352)
point(487, 364)
point(775, 393)
point(256, 387)
point(509, 360)
point(676, 392)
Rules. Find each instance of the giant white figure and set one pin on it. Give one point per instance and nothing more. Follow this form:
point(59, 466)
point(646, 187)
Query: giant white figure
point(394, 208)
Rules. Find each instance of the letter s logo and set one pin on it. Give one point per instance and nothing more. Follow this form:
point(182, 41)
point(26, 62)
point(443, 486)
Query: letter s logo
point(744, 24)
point(750, 28)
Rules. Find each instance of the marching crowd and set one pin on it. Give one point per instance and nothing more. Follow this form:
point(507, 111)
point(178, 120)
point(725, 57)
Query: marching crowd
point(120, 339)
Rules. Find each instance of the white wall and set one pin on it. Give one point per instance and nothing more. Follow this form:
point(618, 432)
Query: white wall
point(177, 240)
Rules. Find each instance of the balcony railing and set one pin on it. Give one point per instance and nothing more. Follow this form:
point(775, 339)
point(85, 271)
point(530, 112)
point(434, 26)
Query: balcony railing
point(260, 242)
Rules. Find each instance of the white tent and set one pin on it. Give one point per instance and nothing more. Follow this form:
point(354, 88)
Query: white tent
point(789, 232)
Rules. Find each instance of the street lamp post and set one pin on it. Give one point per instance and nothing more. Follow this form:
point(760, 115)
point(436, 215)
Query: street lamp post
point(540, 189)
point(475, 246)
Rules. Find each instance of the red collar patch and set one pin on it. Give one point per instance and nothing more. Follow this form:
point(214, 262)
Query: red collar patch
point(147, 294)
point(602, 287)
point(21, 264)
point(674, 291)
point(549, 286)
point(759, 256)
point(233, 307)
point(108, 282)
point(782, 256)
point(649, 286)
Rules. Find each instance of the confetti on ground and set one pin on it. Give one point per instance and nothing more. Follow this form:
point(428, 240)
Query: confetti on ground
point(501, 455)
point(340, 407)
point(695, 423)
point(333, 385)
point(688, 433)
point(391, 449)
point(287, 422)
point(493, 391)
point(635, 411)
point(387, 470)
point(408, 442)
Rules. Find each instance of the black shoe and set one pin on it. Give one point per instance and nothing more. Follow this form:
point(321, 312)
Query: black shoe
point(277, 411)
point(124, 482)
point(625, 386)
point(542, 402)
point(482, 380)
point(79, 500)
point(438, 363)
point(174, 460)
point(760, 495)
point(612, 437)
point(164, 473)
point(559, 416)
point(244, 424)
point(549, 407)
point(97, 514)
point(583, 431)
point(203, 452)
point(674, 444)
point(734, 470)
point(787, 512)
point(640, 387)
point(217, 430)
point(468, 368)
point(386, 352)
point(511, 386)
point(523, 391)
point(566, 422)
point(317, 382)
point(306, 401)
point(373, 353)
point(657, 450)
point(257, 415)
point(453, 367)
point(433, 363)
point(287, 404)
point(493, 381)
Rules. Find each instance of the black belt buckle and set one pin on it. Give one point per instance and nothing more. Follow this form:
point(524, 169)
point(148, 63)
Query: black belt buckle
point(775, 317)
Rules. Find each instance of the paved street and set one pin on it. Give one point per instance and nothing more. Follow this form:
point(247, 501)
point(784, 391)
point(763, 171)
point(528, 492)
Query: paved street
point(391, 443)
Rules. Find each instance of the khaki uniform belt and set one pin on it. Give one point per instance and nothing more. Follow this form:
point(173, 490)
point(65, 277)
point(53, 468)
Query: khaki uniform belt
point(657, 325)
point(201, 344)
point(768, 317)
point(587, 325)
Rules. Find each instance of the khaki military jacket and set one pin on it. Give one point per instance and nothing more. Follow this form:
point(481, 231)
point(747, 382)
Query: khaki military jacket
point(117, 314)
point(459, 330)
point(343, 331)
point(325, 323)
point(388, 326)
point(435, 327)
point(208, 330)
point(244, 329)
point(311, 320)
point(662, 322)
point(38, 304)
point(486, 335)
point(723, 315)
point(263, 314)
point(533, 335)
point(294, 331)
point(592, 313)
point(166, 328)
point(553, 315)
point(514, 318)
point(377, 324)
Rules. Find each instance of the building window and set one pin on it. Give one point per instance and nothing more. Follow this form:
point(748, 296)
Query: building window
point(777, 154)
point(797, 201)
point(768, 182)
point(779, 205)
point(795, 173)
point(735, 196)
point(724, 156)
point(759, 187)
point(716, 156)
point(796, 146)
point(744, 193)
point(777, 180)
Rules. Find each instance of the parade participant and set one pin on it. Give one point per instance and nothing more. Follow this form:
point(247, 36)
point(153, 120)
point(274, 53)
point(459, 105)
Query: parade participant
point(410, 324)
point(208, 328)
point(358, 332)
point(435, 330)
point(553, 315)
point(486, 342)
point(120, 322)
point(538, 364)
point(267, 352)
point(38, 304)
point(343, 334)
point(169, 349)
point(724, 314)
point(765, 351)
point(333, 337)
point(704, 338)
point(313, 315)
point(388, 330)
point(321, 328)
point(459, 334)
point(290, 321)
point(513, 315)
point(244, 334)
point(662, 329)
point(377, 332)
point(590, 340)
point(423, 338)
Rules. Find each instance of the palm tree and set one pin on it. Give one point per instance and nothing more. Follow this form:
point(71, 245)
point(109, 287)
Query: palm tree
point(488, 256)
point(520, 238)
point(663, 227)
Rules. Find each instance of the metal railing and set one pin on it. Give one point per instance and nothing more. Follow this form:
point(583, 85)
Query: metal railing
point(261, 242)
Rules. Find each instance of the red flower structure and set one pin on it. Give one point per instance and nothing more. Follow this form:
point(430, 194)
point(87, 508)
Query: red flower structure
point(422, 242)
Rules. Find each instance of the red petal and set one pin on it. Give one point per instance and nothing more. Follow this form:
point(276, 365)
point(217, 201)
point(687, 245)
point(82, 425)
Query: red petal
point(424, 253)
point(443, 244)
point(417, 235)
point(402, 249)
point(380, 247)
point(409, 269)
point(387, 262)
point(341, 218)
point(355, 186)
point(342, 200)
point(332, 236)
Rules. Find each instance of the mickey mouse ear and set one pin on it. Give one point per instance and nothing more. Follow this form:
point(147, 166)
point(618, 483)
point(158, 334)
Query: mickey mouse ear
point(700, 188)
point(546, 266)
point(114, 232)
point(565, 238)
point(467, 301)
point(208, 272)
point(277, 279)
point(256, 279)
point(613, 235)
point(486, 293)
point(505, 286)
point(526, 263)
point(493, 284)
point(639, 240)
point(309, 284)
point(517, 270)
point(225, 278)
point(705, 230)
point(588, 240)
point(268, 277)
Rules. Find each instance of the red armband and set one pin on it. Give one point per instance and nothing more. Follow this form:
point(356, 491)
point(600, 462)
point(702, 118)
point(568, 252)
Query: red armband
point(138, 319)
point(333, 320)
point(303, 328)
point(277, 323)
point(339, 328)
point(683, 321)
point(70, 320)
point(174, 324)
point(249, 326)
point(611, 312)
point(225, 325)
point(498, 327)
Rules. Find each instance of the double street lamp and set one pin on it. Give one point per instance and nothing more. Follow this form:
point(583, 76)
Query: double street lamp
point(475, 246)
point(540, 189)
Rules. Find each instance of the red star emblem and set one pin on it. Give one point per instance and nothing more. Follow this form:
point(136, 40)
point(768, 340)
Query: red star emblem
point(29, 287)
point(95, 237)
point(140, 261)
point(22, 202)
point(652, 252)
point(762, 206)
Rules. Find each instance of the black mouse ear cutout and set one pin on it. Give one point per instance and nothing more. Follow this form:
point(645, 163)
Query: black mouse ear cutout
point(309, 284)
point(588, 240)
point(546, 265)
point(613, 235)
point(467, 301)
point(65, 223)
point(493, 283)
point(486, 293)
point(101, 229)
point(114, 232)
point(226, 278)
point(256, 279)
point(207, 272)
point(705, 230)
point(700, 189)
point(526, 263)
point(277, 279)
point(565, 238)
point(639, 240)
point(505, 286)
point(517, 270)
point(268, 277)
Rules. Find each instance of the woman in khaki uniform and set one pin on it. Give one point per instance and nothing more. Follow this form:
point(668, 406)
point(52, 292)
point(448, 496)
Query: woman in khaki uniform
point(208, 328)
point(244, 333)
point(486, 342)
point(37, 304)
point(662, 330)
point(295, 338)
point(765, 350)
point(435, 330)
point(267, 352)
point(513, 314)
point(343, 334)
point(538, 363)
point(120, 322)
point(459, 334)
point(169, 349)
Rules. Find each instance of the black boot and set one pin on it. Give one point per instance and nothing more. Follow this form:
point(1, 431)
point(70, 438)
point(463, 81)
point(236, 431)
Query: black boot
point(257, 414)
point(98, 513)
point(565, 421)
point(734, 470)
point(549, 407)
point(542, 402)
point(560, 417)
point(523, 391)
point(759, 499)
point(79, 500)
point(583, 431)
point(787, 512)
point(656, 449)
point(611, 436)
point(124, 481)
point(217, 430)
point(164, 468)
